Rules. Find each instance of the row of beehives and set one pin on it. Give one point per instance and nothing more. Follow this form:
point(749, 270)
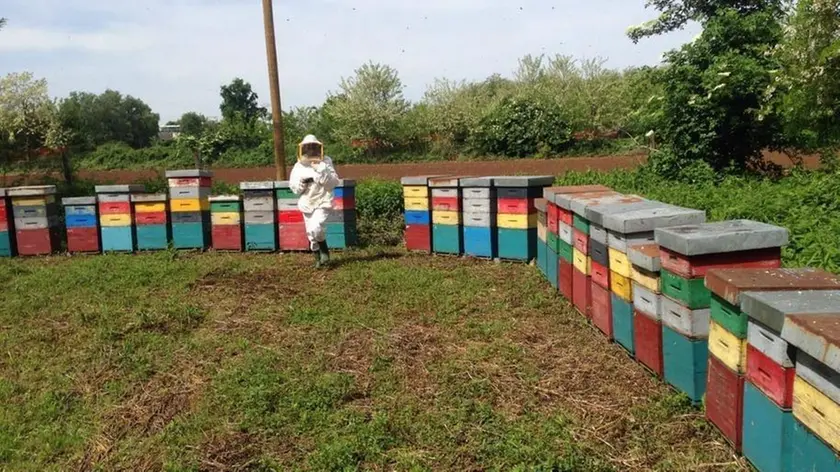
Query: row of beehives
point(705, 306)
point(125, 218)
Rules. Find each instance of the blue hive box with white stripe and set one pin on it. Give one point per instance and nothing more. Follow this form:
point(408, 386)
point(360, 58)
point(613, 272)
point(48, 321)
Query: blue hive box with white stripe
point(341, 222)
point(478, 207)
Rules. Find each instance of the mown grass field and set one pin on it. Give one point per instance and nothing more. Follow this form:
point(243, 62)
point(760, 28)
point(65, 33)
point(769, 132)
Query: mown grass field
point(257, 362)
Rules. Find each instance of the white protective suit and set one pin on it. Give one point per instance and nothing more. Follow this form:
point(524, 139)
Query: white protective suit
point(316, 197)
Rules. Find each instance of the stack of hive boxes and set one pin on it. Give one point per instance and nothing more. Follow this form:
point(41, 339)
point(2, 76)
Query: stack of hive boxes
point(151, 217)
point(447, 235)
point(647, 305)
point(517, 215)
point(260, 228)
point(341, 224)
point(561, 199)
point(7, 226)
point(553, 242)
point(291, 228)
point(226, 221)
point(744, 309)
point(36, 220)
point(189, 203)
point(479, 217)
point(812, 329)
point(542, 236)
point(418, 215)
point(116, 217)
point(631, 222)
point(80, 219)
point(687, 254)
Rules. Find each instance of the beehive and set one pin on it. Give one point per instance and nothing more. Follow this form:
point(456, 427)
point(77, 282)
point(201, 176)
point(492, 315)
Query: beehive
point(447, 231)
point(82, 223)
point(226, 222)
point(151, 219)
point(647, 305)
point(189, 204)
point(36, 220)
point(116, 216)
point(517, 218)
point(418, 214)
point(479, 210)
point(341, 225)
point(7, 226)
point(291, 229)
point(260, 211)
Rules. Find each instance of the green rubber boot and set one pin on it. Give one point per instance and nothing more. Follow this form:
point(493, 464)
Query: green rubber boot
point(324, 252)
point(317, 254)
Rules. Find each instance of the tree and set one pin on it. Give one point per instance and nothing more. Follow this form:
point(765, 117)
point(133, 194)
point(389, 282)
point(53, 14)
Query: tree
point(2, 22)
point(192, 123)
point(94, 120)
point(675, 14)
point(369, 107)
point(239, 101)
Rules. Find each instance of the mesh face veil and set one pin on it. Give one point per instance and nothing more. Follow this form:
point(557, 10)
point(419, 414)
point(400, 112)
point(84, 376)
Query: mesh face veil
point(310, 152)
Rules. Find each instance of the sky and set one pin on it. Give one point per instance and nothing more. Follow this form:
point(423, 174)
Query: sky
point(175, 54)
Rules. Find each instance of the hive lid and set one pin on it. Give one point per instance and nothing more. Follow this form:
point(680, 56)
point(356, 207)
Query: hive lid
point(264, 185)
point(524, 181)
point(815, 335)
point(133, 188)
point(564, 200)
point(729, 284)
point(550, 193)
point(346, 183)
point(721, 237)
point(70, 201)
point(31, 191)
point(473, 182)
point(417, 179)
point(225, 198)
point(646, 256)
point(643, 220)
point(149, 198)
point(771, 308)
point(188, 174)
point(541, 204)
point(597, 212)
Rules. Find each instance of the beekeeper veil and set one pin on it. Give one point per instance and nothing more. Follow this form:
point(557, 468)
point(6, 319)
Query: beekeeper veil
point(310, 150)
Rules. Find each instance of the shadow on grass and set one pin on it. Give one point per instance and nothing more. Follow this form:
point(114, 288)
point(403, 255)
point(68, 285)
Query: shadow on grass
point(340, 259)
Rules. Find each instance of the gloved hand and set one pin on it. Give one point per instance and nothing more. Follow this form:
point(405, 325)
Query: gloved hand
point(321, 167)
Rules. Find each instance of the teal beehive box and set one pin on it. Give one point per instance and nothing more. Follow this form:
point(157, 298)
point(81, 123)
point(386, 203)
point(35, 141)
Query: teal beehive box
point(552, 267)
point(517, 244)
point(809, 453)
point(447, 239)
point(768, 432)
point(190, 235)
point(685, 362)
point(622, 318)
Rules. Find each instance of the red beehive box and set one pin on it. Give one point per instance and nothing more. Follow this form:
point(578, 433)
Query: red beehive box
point(647, 333)
point(290, 217)
point(114, 208)
point(446, 204)
point(725, 401)
point(154, 218)
point(553, 218)
point(602, 309)
point(83, 239)
point(581, 241)
point(774, 380)
point(696, 266)
point(293, 237)
point(227, 237)
point(344, 203)
point(4, 214)
point(565, 216)
point(517, 206)
point(190, 182)
point(566, 274)
point(600, 275)
point(37, 242)
point(582, 292)
point(418, 238)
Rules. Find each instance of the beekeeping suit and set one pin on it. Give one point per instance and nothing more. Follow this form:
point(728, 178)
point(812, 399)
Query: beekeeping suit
point(314, 178)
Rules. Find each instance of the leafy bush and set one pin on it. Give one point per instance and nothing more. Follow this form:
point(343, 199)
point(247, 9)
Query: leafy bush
point(522, 126)
point(379, 205)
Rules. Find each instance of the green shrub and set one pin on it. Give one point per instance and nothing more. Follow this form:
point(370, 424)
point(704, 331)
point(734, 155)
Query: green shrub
point(521, 126)
point(379, 205)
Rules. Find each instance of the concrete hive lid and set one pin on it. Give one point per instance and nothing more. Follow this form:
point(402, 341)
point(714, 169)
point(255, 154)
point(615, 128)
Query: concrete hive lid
point(264, 185)
point(134, 188)
point(564, 200)
point(71, 201)
point(729, 284)
point(524, 181)
point(550, 193)
point(188, 174)
point(150, 198)
point(581, 203)
point(721, 237)
point(598, 212)
point(771, 308)
point(449, 181)
point(31, 191)
point(477, 182)
point(281, 184)
point(418, 179)
point(646, 256)
point(226, 198)
point(817, 335)
point(643, 220)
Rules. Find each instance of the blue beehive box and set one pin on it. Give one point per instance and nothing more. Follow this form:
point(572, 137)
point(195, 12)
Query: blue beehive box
point(622, 319)
point(190, 235)
point(552, 269)
point(479, 241)
point(414, 217)
point(152, 237)
point(117, 238)
point(447, 239)
point(767, 433)
point(81, 221)
point(685, 362)
point(809, 453)
point(517, 244)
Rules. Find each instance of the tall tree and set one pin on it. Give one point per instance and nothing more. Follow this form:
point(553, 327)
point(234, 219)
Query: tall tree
point(239, 101)
point(109, 117)
point(192, 123)
point(370, 105)
point(2, 22)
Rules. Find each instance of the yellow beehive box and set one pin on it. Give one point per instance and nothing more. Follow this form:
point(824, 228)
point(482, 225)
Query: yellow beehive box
point(647, 280)
point(416, 191)
point(417, 203)
point(542, 231)
point(620, 263)
point(115, 220)
point(149, 207)
point(34, 201)
point(511, 221)
point(816, 411)
point(581, 262)
point(225, 218)
point(183, 205)
point(730, 350)
point(446, 217)
point(621, 286)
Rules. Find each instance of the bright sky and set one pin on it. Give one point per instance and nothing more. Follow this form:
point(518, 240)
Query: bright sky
point(175, 54)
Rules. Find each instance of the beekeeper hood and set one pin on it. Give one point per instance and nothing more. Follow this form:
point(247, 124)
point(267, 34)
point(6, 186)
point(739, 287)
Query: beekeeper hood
point(310, 150)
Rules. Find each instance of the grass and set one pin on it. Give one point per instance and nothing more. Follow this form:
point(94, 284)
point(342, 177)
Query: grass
point(257, 362)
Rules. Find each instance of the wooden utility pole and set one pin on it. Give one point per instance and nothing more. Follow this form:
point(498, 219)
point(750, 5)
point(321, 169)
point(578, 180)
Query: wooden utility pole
point(274, 86)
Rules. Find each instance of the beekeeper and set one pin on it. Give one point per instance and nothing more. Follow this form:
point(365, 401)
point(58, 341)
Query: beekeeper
point(314, 179)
